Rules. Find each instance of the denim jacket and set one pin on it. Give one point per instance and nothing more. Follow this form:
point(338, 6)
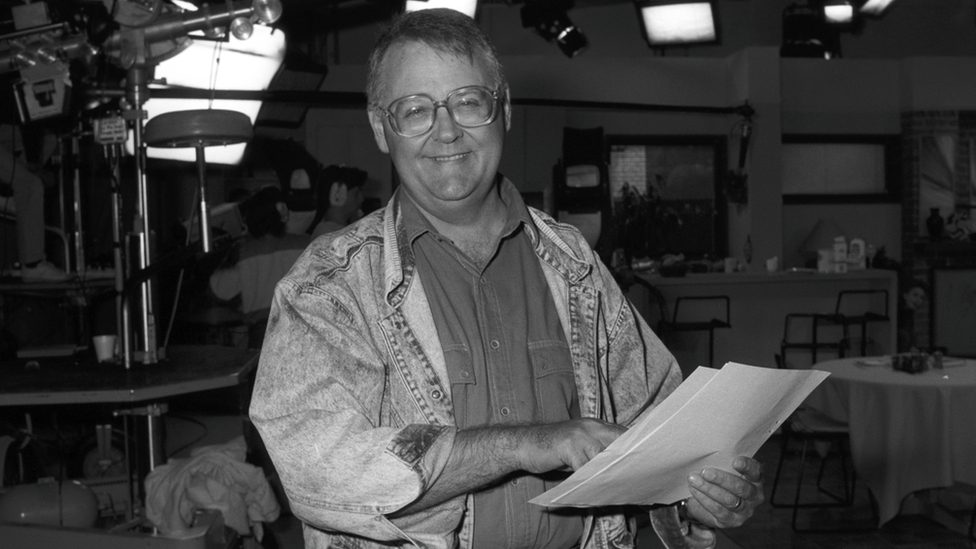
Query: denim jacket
point(353, 401)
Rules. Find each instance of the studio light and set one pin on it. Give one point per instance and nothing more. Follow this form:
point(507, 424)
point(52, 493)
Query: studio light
point(875, 7)
point(185, 5)
point(807, 34)
point(669, 23)
point(467, 7)
point(550, 20)
point(236, 65)
point(838, 12)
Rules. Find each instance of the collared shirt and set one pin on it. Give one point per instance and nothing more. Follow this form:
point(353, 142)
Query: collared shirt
point(508, 363)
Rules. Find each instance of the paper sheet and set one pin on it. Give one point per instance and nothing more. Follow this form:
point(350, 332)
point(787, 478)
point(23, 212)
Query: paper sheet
point(710, 419)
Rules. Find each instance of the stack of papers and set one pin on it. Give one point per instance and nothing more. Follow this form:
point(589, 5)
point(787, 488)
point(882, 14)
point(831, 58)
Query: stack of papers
point(710, 419)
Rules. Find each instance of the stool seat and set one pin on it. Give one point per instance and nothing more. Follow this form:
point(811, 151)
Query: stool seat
point(198, 128)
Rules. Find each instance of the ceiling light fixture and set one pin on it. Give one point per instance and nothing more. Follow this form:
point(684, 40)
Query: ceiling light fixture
point(550, 20)
point(677, 22)
point(875, 7)
point(838, 12)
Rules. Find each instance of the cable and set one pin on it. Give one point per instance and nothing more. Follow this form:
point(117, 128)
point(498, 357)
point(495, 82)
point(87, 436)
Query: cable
point(206, 431)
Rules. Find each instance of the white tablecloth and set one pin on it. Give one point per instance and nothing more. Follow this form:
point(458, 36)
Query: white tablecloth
point(909, 432)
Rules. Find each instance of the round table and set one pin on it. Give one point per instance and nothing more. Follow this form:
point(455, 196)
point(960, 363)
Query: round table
point(908, 432)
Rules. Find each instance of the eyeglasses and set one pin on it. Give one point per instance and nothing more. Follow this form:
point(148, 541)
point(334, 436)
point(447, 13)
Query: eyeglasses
point(470, 107)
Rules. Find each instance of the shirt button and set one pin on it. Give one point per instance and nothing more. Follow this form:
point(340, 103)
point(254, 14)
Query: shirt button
point(465, 374)
point(495, 344)
point(435, 394)
point(515, 482)
point(505, 411)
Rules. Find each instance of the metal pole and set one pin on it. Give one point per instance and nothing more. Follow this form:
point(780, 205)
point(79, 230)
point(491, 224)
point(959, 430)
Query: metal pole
point(202, 182)
point(137, 92)
point(80, 264)
point(121, 303)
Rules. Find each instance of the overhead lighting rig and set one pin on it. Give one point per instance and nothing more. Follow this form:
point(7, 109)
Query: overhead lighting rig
point(550, 20)
point(813, 29)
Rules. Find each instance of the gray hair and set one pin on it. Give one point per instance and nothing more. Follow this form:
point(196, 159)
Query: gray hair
point(442, 29)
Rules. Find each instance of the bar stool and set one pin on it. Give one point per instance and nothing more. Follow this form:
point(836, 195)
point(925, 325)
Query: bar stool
point(797, 323)
point(709, 312)
point(199, 129)
point(860, 307)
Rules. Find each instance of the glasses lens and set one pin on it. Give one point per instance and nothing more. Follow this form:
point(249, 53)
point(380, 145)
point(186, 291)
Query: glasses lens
point(412, 115)
point(470, 107)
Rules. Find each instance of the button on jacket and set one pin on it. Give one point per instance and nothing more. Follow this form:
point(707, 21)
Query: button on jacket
point(352, 396)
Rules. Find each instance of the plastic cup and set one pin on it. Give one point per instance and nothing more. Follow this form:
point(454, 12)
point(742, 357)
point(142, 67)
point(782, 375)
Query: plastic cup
point(104, 347)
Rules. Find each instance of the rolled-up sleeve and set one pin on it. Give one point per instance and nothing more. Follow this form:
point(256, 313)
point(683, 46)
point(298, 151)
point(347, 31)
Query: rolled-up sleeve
point(319, 404)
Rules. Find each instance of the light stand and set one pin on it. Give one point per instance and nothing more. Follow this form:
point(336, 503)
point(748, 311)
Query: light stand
point(134, 47)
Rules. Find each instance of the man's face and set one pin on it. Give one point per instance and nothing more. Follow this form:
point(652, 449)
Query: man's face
point(449, 167)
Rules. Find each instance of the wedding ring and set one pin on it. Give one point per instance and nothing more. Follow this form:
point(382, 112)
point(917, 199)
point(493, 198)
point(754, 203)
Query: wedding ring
point(738, 505)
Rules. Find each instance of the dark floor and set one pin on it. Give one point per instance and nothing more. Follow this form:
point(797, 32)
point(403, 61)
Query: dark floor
point(770, 526)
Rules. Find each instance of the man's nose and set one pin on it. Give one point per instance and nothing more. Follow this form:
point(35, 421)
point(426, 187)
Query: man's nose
point(445, 127)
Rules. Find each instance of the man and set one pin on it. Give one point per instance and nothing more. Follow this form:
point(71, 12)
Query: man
point(434, 366)
point(264, 256)
point(338, 199)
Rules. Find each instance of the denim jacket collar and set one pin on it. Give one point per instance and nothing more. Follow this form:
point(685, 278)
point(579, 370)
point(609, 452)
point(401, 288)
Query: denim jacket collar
point(399, 265)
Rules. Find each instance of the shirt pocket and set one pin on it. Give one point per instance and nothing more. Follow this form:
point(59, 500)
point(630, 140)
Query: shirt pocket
point(460, 372)
point(555, 383)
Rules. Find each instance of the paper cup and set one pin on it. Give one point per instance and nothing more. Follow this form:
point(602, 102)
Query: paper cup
point(104, 347)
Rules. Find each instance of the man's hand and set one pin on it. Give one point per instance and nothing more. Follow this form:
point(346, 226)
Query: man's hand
point(565, 445)
point(721, 499)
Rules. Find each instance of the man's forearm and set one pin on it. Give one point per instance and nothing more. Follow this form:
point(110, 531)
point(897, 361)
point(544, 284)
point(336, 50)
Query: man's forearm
point(482, 456)
point(479, 458)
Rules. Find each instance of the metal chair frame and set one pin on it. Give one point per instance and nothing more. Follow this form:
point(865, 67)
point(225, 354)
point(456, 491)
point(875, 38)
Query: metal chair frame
point(862, 319)
point(812, 432)
point(709, 325)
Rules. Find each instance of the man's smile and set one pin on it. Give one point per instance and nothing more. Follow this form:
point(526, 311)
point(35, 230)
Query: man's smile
point(449, 158)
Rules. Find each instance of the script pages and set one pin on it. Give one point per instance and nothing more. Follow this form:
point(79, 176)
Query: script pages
point(714, 416)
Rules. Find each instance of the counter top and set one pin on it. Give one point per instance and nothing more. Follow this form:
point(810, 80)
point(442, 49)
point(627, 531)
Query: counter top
point(757, 277)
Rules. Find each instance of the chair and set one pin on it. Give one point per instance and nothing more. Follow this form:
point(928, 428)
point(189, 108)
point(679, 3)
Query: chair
point(858, 308)
point(799, 323)
point(810, 427)
point(708, 313)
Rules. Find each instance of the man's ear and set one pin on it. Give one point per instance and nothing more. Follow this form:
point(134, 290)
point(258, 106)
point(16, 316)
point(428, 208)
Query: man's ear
point(338, 195)
point(379, 131)
point(507, 110)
